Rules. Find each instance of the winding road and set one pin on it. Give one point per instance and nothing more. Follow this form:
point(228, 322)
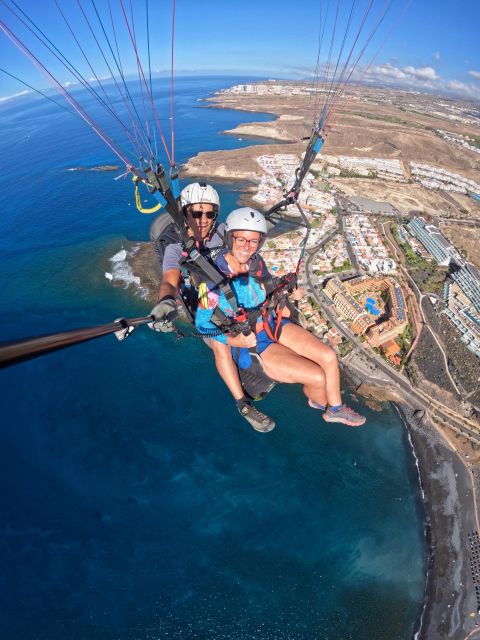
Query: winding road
point(435, 408)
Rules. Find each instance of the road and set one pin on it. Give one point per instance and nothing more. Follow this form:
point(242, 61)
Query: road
point(421, 296)
point(435, 408)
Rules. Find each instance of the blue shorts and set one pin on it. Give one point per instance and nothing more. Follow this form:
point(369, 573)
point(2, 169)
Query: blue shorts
point(242, 356)
point(263, 341)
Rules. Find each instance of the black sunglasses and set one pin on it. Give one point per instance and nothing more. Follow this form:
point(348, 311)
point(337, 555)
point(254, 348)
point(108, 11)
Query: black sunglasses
point(198, 214)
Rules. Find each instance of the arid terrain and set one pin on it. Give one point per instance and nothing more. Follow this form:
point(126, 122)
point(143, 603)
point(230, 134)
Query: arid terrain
point(369, 123)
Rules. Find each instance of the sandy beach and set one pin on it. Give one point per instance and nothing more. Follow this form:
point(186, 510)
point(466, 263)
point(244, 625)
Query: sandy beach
point(450, 605)
point(450, 610)
point(449, 517)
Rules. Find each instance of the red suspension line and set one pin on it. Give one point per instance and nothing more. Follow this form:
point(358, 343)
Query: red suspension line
point(336, 94)
point(145, 141)
point(131, 137)
point(400, 17)
point(322, 28)
point(146, 86)
point(372, 33)
point(172, 124)
point(327, 69)
point(120, 70)
point(147, 126)
point(347, 29)
point(65, 62)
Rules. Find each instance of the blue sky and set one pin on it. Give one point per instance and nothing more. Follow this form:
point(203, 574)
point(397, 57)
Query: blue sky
point(434, 47)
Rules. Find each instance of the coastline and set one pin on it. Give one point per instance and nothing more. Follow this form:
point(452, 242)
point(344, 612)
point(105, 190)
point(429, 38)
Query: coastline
point(449, 608)
point(449, 597)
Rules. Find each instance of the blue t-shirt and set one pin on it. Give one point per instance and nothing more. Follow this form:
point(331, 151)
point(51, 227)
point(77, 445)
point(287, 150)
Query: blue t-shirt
point(248, 291)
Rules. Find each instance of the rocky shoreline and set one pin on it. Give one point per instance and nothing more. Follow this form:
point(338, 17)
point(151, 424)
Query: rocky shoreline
point(447, 485)
point(450, 608)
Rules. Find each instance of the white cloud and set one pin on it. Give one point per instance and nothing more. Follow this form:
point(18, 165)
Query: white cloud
point(424, 73)
point(436, 55)
point(99, 78)
point(408, 74)
point(461, 89)
point(474, 74)
point(14, 95)
point(422, 78)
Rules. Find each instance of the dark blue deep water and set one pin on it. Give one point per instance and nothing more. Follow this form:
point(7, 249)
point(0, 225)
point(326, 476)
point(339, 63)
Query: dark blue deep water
point(135, 503)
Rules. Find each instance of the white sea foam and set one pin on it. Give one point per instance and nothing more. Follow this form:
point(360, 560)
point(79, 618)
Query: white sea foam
point(120, 256)
point(123, 272)
point(417, 464)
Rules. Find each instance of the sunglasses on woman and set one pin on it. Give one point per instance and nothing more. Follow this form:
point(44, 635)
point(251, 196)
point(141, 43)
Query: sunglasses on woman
point(198, 214)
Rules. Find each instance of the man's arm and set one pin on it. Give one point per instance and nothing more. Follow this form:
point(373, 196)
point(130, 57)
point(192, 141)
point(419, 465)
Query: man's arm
point(169, 286)
point(165, 311)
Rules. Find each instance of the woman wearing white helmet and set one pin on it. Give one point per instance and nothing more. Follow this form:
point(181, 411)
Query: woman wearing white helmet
point(289, 354)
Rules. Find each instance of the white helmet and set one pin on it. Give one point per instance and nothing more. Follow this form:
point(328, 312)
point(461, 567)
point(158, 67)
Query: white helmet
point(199, 192)
point(246, 219)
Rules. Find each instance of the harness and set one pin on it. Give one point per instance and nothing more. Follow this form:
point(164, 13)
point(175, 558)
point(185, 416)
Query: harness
point(277, 291)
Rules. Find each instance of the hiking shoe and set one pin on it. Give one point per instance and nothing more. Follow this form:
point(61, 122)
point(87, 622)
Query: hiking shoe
point(345, 415)
point(259, 421)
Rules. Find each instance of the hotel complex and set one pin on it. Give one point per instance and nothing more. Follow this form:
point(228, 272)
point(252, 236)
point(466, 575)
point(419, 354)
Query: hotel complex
point(433, 241)
point(375, 307)
point(462, 287)
point(373, 304)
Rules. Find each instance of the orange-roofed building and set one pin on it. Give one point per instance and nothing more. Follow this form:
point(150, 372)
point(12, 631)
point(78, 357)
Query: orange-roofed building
point(391, 349)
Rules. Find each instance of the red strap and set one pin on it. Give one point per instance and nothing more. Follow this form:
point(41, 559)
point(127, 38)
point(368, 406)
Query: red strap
point(278, 324)
point(266, 325)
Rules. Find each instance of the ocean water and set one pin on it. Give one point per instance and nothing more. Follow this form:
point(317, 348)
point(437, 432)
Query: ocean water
point(135, 501)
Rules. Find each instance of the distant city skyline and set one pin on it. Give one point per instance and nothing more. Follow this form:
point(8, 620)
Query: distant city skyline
point(430, 46)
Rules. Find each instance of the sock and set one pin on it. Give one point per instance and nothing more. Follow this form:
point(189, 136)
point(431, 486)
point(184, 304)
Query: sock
point(335, 408)
point(242, 402)
point(316, 405)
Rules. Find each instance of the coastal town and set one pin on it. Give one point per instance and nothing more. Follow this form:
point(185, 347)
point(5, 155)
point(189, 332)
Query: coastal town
point(357, 268)
point(391, 279)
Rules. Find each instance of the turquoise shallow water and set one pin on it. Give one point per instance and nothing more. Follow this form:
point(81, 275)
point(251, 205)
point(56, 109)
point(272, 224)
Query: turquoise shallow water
point(135, 502)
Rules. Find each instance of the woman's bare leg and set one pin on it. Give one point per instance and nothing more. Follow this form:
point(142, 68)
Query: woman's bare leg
point(284, 365)
point(227, 369)
point(307, 345)
point(229, 374)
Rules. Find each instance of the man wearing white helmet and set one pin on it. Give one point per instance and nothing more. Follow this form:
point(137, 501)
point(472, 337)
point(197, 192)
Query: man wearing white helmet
point(200, 205)
point(288, 352)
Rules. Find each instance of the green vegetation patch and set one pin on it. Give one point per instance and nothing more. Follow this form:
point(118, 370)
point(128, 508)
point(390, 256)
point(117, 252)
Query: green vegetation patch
point(474, 141)
point(345, 173)
point(390, 119)
point(405, 342)
point(346, 266)
point(345, 347)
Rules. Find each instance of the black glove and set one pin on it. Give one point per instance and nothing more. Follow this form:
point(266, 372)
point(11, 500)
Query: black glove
point(164, 313)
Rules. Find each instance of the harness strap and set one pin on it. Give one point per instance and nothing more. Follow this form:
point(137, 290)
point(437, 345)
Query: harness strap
point(277, 329)
point(278, 324)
